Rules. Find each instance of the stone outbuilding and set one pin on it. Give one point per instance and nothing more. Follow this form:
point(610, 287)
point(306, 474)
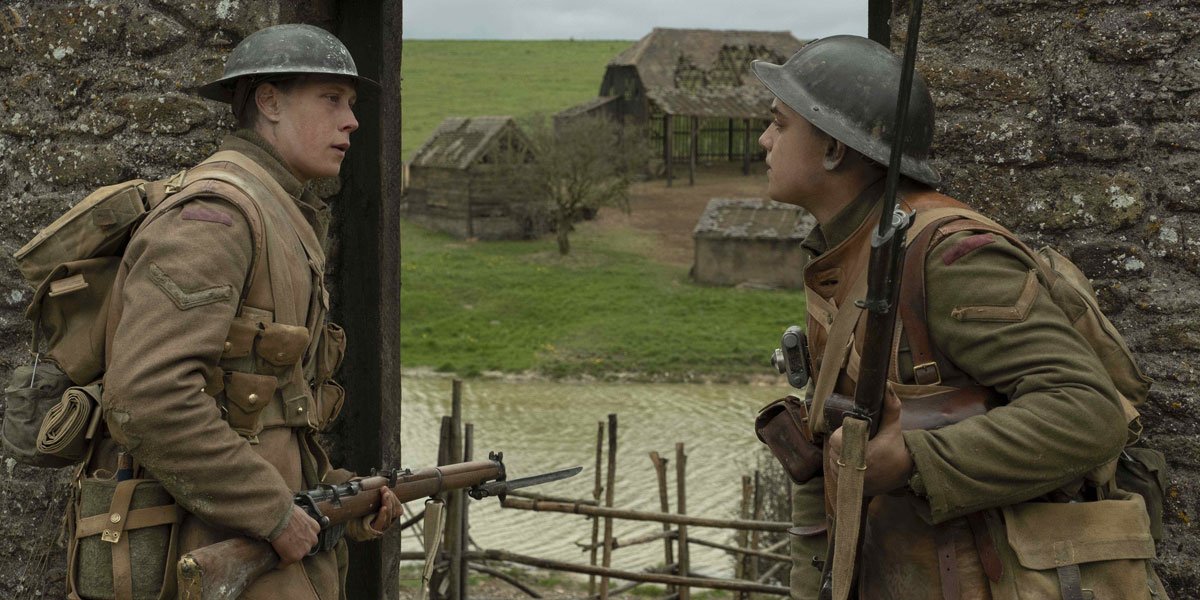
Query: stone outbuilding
point(697, 85)
point(750, 242)
point(458, 181)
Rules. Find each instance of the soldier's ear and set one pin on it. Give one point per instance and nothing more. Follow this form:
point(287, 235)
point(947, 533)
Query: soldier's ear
point(268, 100)
point(835, 154)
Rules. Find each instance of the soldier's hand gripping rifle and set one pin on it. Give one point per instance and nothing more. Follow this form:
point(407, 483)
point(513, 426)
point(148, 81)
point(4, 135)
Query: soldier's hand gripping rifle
point(222, 571)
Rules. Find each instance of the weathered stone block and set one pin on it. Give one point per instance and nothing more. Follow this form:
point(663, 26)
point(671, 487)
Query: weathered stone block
point(996, 140)
point(241, 17)
point(67, 165)
point(67, 35)
point(1108, 259)
point(1131, 35)
point(1058, 199)
point(162, 113)
point(1092, 142)
point(97, 123)
point(151, 31)
point(1178, 135)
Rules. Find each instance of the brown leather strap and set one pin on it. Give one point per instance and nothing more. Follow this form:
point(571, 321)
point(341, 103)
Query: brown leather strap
point(114, 533)
point(166, 514)
point(985, 547)
point(943, 536)
point(849, 504)
point(925, 357)
point(1070, 582)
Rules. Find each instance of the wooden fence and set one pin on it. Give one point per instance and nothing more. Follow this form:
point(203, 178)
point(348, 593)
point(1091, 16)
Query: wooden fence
point(454, 559)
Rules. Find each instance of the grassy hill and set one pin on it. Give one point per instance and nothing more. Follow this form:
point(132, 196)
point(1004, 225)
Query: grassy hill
point(464, 78)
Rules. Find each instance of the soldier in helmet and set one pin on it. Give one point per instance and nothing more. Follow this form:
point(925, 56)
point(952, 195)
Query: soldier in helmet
point(948, 506)
point(220, 356)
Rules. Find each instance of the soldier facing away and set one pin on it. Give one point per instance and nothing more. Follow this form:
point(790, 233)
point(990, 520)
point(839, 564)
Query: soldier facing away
point(1017, 501)
point(219, 354)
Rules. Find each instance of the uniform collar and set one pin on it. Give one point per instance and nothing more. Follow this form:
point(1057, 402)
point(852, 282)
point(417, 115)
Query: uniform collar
point(824, 237)
point(250, 143)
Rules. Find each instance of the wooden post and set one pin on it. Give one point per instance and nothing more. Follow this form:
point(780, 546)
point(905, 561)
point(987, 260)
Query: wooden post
point(746, 147)
point(669, 147)
point(681, 505)
point(660, 470)
point(729, 141)
point(756, 536)
point(468, 454)
point(695, 150)
point(743, 537)
point(454, 512)
point(608, 501)
point(596, 489)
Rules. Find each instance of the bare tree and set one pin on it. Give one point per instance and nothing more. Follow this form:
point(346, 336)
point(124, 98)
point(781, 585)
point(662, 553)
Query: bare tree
point(577, 166)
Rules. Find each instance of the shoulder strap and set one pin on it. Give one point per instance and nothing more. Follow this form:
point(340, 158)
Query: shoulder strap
point(198, 183)
point(931, 226)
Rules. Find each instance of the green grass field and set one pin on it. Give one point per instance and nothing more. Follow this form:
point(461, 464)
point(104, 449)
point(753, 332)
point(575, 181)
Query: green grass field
point(469, 307)
point(466, 78)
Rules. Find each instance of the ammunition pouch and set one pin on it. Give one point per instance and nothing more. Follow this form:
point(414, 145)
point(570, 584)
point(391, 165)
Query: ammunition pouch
point(1143, 471)
point(31, 394)
point(1078, 550)
point(120, 525)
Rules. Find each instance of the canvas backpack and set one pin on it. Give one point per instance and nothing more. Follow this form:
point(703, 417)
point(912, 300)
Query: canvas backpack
point(71, 265)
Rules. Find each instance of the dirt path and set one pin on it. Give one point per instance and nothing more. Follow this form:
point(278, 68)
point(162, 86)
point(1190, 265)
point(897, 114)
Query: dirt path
point(670, 213)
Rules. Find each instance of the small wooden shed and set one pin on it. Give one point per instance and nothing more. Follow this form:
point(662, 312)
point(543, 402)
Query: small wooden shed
point(751, 242)
point(458, 181)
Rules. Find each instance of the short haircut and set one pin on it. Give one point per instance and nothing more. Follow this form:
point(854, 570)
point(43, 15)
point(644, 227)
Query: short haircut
point(245, 108)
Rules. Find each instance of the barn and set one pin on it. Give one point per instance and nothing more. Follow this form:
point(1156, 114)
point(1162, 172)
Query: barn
point(693, 92)
point(458, 181)
point(750, 242)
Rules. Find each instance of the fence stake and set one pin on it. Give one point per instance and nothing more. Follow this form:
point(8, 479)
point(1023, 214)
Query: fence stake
point(608, 501)
point(681, 505)
point(465, 528)
point(576, 508)
point(454, 513)
point(596, 489)
point(743, 538)
point(660, 470)
point(756, 536)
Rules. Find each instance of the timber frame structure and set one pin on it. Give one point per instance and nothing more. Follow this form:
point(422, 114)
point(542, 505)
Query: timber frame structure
point(692, 91)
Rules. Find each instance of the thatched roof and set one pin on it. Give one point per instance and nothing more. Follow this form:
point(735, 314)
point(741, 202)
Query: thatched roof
point(753, 219)
point(664, 53)
point(459, 141)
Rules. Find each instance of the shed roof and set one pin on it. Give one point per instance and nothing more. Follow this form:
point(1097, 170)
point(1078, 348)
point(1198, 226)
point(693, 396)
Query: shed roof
point(739, 102)
point(661, 52)
point(458, 141)
point(753, 219)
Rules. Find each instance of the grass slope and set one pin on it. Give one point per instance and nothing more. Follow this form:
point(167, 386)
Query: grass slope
point(606, 308)
point(466, 78)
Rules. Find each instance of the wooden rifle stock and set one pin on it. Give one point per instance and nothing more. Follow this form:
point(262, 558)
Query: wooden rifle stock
point(223, 570)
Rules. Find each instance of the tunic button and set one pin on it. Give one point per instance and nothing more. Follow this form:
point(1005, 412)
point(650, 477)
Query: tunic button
point(114, 518)
point(253, 398)
point(300, 409)
point(228, 346)
point(280, 355)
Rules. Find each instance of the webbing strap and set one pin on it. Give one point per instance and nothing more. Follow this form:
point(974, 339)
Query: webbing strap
point(1070, 582)
point(122, 567)
point(943, 536)
point(837, 349)
point(849, 503)
point(139, 518)
point(434, 511)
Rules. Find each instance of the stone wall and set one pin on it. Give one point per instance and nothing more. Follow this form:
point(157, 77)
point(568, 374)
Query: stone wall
point(1075, 123)
point(95, 92)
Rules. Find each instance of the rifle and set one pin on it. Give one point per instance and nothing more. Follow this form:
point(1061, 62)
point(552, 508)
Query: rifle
point(223, 570)
point(883, 289)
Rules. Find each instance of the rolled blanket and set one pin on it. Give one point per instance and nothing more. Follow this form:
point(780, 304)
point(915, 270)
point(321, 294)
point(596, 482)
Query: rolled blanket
point(71, 423)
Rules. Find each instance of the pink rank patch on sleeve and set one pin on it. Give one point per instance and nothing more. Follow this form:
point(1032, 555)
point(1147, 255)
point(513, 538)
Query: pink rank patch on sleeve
point(967, 246)
point(196, 213)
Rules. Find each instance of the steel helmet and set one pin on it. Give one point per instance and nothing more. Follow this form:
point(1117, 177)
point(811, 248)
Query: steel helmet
point(290, 49)
point(847, 86)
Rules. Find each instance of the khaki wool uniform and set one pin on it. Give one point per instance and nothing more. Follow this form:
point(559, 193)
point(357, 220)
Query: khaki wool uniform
point(185, 368)
point(1057, 415)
